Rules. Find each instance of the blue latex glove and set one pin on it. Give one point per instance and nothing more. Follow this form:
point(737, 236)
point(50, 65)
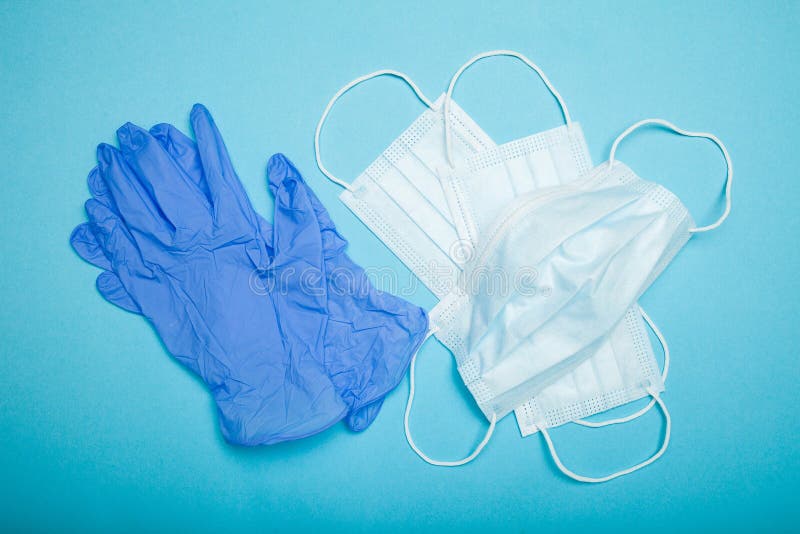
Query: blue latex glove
point(370, 335)
point(185, 254)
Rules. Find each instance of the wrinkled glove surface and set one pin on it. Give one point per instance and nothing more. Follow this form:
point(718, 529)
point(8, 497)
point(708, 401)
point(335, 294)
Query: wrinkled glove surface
point(286, 331)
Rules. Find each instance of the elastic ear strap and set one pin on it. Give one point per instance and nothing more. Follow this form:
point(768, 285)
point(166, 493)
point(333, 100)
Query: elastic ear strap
point(656, 456)
point(711, 137)
point(342, 91)
point(664, 373)
point(493, 53)
point(410, 440)
point(661, 339)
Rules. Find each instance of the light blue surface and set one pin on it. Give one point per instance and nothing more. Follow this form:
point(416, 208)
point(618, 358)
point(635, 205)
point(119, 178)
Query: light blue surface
point(102, 430)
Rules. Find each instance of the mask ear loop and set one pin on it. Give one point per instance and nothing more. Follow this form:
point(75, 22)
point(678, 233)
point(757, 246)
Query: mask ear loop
point(655, 399)
point(442, 463)
point(580, 478)
point(664, 373)
point(342, 91)
point(493, 53)
point(711, 137)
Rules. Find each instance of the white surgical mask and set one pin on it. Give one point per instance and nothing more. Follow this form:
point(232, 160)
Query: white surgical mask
point(623, 370)
point(623, 366)
point(533, 416)
point(399, 196)
point(395, 194)
point(407, 183)
point(598, 243)
point(477, 194)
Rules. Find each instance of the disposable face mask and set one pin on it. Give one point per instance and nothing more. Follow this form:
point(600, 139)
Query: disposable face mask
point(478, 193)
point(598, 243)
point(406, 169)
point(399, 196)
point(621, 371)
point(624, 364)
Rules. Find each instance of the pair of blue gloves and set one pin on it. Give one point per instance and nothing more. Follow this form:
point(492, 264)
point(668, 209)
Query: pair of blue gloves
point(286, 331)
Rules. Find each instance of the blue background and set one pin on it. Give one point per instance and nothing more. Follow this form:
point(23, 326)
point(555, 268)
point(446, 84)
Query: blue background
point(100, 429)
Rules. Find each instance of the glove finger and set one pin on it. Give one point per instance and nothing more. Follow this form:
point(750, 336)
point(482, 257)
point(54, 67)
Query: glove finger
point(132, 201)
point(227, 194)
point(110, 286)
point(85, 243)
point(99, 189)
point(115, 240)
point(278, 169)
point(333, 243)
point(183, 150)
point(360, 419)
point(179, 199)
point(186, 155)
point(284, 168)
point(296, 232)
point(266, 232)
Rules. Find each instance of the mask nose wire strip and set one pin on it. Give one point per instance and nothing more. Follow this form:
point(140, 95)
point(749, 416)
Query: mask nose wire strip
point(580, 478)
point(484, 55)
point(711, 137)
point(410, 440)
point(342, 91)
point(664, 373)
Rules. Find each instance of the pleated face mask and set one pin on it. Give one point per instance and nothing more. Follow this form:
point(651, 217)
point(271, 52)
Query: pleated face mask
point(623, 366)
point(407, 173)
point(399, 196)
point(597, 244)
point(477, 193)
